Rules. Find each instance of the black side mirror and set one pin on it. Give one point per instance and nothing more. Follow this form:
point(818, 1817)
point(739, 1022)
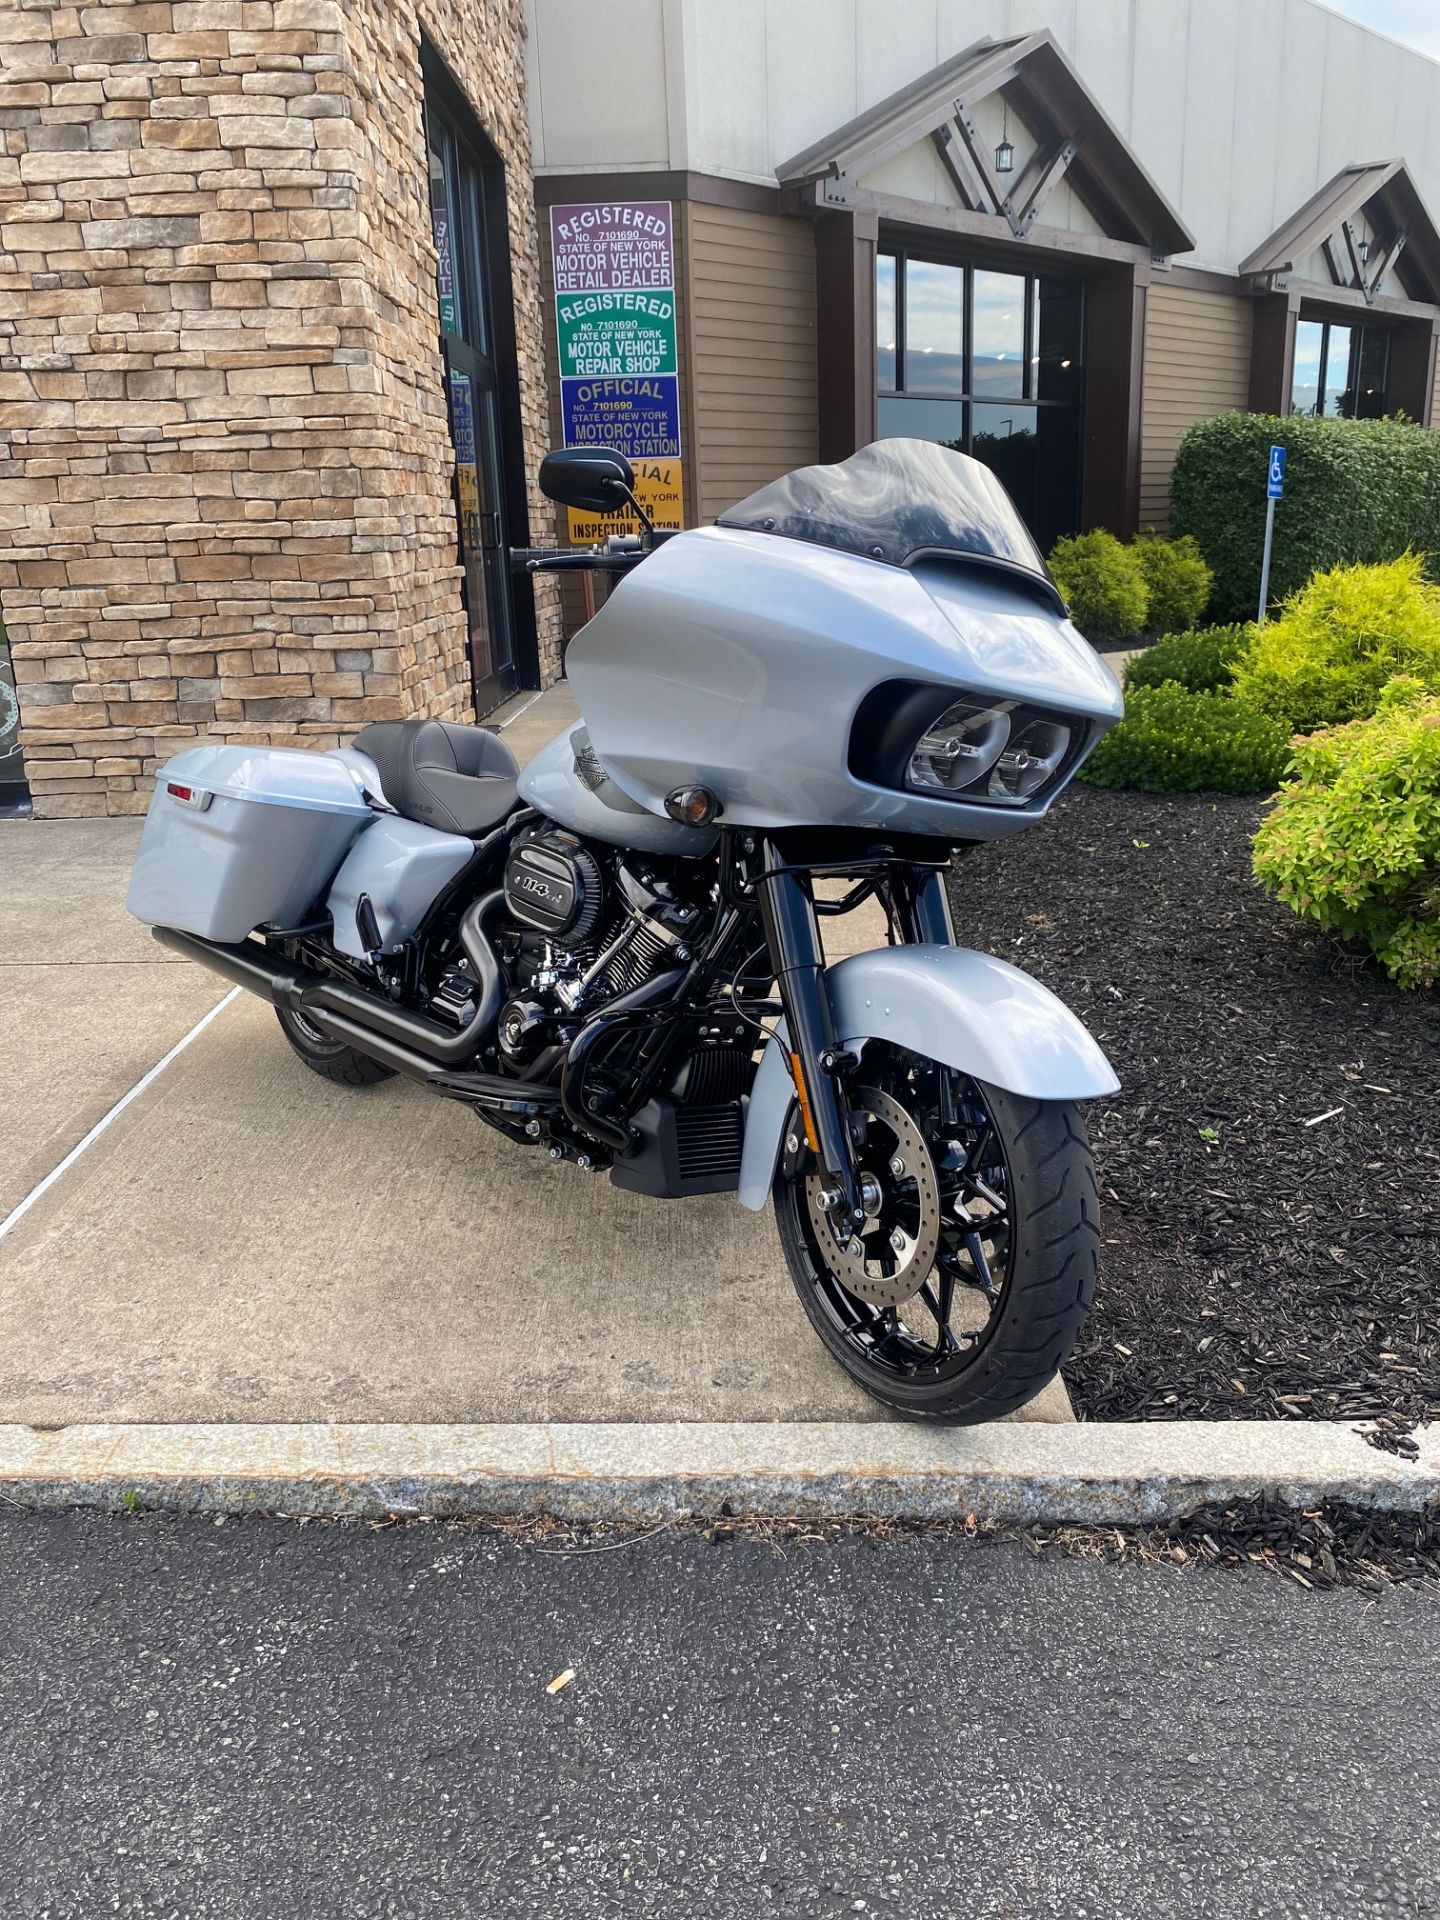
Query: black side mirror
point(595, 479)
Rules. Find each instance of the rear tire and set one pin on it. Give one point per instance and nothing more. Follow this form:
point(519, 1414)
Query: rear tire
point(1051, 1264)
point(331, 1059)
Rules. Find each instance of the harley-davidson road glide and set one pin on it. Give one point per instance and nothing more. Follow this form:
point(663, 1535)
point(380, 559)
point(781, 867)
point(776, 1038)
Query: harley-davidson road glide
point(859, 674)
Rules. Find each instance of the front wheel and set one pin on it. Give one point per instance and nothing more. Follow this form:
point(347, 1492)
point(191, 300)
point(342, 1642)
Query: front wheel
point(965, 1288)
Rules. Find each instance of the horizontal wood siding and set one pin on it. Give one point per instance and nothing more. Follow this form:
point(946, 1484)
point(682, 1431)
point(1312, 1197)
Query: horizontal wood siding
point(752, 410)
point(1197, 363)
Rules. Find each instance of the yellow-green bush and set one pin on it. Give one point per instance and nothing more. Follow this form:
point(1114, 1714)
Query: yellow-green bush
point(1175, 741)
point(1103, 583)
point(1353, 839)
point(1339, 640)
point(1177, 581)
point(1202, 661)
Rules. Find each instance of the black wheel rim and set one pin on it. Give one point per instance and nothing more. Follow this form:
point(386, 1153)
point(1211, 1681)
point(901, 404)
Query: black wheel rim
point(942, 1329)
point(312, 1034)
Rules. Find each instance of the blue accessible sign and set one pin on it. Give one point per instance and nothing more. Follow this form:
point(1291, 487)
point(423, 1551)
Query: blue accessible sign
point(1275, 483)
point(640, 417)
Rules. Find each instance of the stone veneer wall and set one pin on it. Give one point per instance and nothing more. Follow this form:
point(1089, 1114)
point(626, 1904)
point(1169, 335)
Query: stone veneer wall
point(225, 472)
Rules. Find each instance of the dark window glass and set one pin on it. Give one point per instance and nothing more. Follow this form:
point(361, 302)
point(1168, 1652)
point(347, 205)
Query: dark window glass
point(447, 280)
point(885, 323)
point(1057, 474)
point(1337, 396)
point(989, 363)
point(1341, 372)
point(465, 261)
point(1059, 365)
point(934, 328)
point(1005, 437)
point(1372, 373)
point(12, 768)
point(1309, 362)
point(997, 337)
point(905, 417)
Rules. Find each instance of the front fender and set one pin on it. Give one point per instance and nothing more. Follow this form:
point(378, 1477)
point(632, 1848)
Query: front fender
point(967, 1010)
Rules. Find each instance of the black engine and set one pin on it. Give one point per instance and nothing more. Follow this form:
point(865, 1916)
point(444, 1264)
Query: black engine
point(596, 923)
point(553, 884)
point(589, 923)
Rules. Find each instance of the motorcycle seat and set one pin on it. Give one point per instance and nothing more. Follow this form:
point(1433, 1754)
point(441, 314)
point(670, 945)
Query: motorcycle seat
point(460, 779)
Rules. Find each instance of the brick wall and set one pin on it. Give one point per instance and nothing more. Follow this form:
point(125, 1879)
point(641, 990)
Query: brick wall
point(225, 503)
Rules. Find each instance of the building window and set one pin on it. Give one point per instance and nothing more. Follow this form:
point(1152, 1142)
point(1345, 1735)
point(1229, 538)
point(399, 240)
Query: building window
point(990, 363)
point(1341, 371)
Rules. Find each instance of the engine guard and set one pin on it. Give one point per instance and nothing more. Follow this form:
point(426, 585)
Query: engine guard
point(967, 1010)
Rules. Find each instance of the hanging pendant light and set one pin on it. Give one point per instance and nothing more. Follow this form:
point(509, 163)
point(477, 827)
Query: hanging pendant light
point(1005, 152)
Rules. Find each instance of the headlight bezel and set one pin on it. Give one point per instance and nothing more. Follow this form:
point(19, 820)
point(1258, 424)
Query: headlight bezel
point(895, 717)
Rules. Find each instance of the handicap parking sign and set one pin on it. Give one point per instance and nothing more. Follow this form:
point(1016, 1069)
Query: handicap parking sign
point(1275, 484)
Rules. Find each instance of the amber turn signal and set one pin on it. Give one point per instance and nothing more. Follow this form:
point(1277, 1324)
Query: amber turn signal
point(692, 806)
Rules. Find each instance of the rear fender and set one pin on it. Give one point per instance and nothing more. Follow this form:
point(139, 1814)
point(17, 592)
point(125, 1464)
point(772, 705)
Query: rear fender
point(967, 1010)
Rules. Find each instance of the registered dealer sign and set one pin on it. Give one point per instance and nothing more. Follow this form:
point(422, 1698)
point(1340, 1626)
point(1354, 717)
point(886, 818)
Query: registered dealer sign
point(615, 326)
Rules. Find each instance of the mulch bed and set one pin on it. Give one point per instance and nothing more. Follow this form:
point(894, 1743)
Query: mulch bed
point(1335, 1545)
point(1271, 1168)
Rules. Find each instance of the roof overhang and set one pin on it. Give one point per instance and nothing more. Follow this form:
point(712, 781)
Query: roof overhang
point(1075, 141)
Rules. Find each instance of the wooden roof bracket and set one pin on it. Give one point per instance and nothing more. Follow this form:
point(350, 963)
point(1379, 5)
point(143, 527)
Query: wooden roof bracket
point(1388, 257)
point(973, 146)
point(1041, 177)
point(961, 169)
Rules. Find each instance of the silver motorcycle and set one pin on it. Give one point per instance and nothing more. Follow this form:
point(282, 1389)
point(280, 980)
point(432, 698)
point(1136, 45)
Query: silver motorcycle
point(859, 674)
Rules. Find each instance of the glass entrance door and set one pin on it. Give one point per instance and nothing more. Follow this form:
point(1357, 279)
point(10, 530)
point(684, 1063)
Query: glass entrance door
point(462, 250)
point(14, 793)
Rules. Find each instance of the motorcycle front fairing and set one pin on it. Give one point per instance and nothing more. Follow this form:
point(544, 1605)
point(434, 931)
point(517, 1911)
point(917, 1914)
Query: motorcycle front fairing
point(789, 660)
point(779, 657)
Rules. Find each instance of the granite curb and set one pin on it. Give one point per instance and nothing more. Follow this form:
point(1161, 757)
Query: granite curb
point(1008, 1474)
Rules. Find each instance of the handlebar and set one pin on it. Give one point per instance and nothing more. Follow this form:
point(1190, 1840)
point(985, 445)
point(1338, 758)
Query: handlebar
point(568, 560)
point(618, 554)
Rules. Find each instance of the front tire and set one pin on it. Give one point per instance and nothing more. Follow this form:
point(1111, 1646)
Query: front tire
point(1014, 1273)
point(331, 1059)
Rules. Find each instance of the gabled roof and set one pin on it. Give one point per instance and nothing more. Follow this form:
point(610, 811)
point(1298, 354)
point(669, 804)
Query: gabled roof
point(1404, 234)
point(1072, 129)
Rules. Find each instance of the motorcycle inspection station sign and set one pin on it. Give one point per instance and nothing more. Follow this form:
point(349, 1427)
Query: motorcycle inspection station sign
point(614, 265)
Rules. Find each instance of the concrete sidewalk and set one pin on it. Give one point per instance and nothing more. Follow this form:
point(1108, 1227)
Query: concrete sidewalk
point(88, 1001)
point(248, 1243)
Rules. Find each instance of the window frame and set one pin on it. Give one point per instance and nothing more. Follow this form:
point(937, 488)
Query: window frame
point(969, 265)
point(1360, 327)
point(900, 253)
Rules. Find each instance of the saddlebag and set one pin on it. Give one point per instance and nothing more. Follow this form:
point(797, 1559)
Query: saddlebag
point(242, 837)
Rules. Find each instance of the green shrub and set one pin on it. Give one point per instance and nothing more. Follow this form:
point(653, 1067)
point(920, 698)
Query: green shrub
point(1353, 839)
point(1175, 741)
point(1177, 579)
point(1201, 661)
point(1339, 640)
point(1103, 584)
point(1354, 490)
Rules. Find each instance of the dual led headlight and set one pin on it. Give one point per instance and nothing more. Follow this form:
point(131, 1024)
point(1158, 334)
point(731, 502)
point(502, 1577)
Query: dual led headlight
point(998, 751)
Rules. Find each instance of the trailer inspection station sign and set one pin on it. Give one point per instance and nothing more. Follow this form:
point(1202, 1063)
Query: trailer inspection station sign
point(614, 265)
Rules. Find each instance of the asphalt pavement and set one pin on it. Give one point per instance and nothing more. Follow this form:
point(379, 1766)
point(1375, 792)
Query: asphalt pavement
point(259, 1718)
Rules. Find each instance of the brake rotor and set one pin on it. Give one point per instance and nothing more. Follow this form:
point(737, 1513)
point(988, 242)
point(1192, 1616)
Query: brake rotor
point(891, 1236)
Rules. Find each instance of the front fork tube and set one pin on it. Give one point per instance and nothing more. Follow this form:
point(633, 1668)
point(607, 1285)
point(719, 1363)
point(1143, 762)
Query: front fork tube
point(793, 934)
point(922, 907)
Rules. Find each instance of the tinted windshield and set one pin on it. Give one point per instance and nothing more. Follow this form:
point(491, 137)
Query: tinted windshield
point(900, 501)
